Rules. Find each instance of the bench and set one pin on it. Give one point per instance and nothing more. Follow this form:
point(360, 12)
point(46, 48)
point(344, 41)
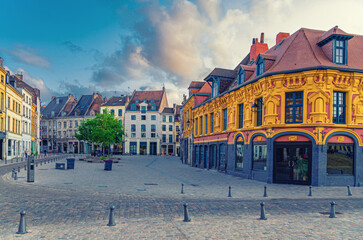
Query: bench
point(60, 166)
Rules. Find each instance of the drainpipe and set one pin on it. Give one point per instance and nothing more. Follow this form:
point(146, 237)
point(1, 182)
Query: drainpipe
point(6, 118)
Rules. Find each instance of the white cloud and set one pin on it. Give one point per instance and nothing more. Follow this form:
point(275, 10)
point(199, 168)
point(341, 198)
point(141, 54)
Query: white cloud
point(28, 56)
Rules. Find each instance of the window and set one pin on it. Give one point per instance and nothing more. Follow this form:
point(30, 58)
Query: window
point(339, 107)
point(143, 117)
point(133, 107)
point(260, 66)
point(164, 118)
point(133, 117)
point(120, 112)
point(153, 117)
point(143, 128)
point(201, 125)
point(143, 109)
point(163, 127)
point(153, 128)
point(70, 124)
point(214, 89)
point(340, 159)
point(340, 52)
point(9, 102)
point(222, 156)
point(76, 123)
point(133, 128)
point(153, 107)
point(136, 100)
point(224, 119)
point(259, 156)
point(170, 128)
point(143, 135)
point(170, 138)
point(240, 116)
point(113, 112)
point(206, 124)
point(164, 137)
point(152, 100)
point(64, 124)
point(144, 100)
point(133, 134)
point(170, 118)
point(133, 147)
point(239, 153)
point(259, 112)
point(241, 76)
point(212, 123)
point(294, 107)
point(196, 126)
point(59, 124)
point(152, 135)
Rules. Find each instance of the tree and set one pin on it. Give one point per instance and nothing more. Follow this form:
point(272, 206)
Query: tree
point(103, 129)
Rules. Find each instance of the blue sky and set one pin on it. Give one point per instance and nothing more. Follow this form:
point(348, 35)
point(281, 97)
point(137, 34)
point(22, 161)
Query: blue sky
point(115, 46)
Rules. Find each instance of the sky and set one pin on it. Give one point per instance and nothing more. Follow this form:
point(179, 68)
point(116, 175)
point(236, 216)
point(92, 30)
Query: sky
point(117, 46)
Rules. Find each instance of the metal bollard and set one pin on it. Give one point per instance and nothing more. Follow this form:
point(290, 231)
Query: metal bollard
point(111, 221)
point(13, 173)
point(36, 164)
point(24, 167)
point(22, 224)
point(263, 216)
point(15, 176)
point(182, 189)
point(186, 215)
point(332, 210)
point(265, 192)
point(18, 168)
point(349, 192)
point(310, 194)
point(41, 163)
point(229, 192)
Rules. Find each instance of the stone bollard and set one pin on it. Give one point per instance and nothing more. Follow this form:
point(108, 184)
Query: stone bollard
point(186, 215)
point(310, 194)
point(18, 168)
point(182, 189)
point(111, 221)
point(229, 192)
point(15, 176)
point(349, 192)
point(263, 216)
point(22, 224)
point(332, 210)
point(265, 192)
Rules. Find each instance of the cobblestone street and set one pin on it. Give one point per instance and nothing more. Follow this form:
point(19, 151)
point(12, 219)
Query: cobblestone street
point(79, 209)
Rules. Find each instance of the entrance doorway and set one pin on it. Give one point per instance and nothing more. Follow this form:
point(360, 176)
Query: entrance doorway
point(153, 148)
point(292, 163)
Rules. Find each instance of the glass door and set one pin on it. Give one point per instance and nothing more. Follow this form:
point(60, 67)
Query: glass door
point(292, 163)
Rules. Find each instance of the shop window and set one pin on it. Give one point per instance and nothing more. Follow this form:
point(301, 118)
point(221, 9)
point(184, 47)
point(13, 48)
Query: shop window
point(294, 107)
point(259, 156)
point(339, 106)
point(340, 159)
point(239, 153)
point(133, 147)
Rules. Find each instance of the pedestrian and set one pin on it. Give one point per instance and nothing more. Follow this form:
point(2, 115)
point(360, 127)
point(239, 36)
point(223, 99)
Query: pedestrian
point(26, 153)
point(45, 152)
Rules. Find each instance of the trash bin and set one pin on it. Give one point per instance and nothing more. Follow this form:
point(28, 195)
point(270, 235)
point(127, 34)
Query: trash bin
point(108, 164)
point(70, 163)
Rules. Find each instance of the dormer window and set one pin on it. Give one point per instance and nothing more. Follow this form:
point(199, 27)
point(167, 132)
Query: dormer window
point(215, 89)
point(133, 107)
point(153, 107)
point(260, 66)
point(144, 100)
point(340, 51)
point(152, 100)
point(136, 100)
point(143, 109)
point(241, 76)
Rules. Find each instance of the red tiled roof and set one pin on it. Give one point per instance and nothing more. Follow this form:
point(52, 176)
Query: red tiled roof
point(148, 95)
point(205, 89)
point(196, 84)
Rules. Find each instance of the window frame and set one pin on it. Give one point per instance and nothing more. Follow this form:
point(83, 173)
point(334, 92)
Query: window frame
point(241, 76)
point(294, 107)
point(343, 49)
point(259, 112)
point(240, 115)
point(225, 116)
point(260, 66)
point(336, 107)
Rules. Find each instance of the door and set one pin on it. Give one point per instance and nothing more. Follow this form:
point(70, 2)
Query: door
point(153, 148)
point(292, 163)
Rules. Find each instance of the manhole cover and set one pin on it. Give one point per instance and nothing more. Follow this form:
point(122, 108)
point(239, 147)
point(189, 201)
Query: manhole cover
point(151, 184)
point(328, 213)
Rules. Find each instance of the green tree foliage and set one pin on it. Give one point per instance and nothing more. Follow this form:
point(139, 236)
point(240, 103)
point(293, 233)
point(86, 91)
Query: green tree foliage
point(103, 129)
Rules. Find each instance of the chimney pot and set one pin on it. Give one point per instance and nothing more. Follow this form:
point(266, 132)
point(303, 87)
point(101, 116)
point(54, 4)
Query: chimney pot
point(262, 38)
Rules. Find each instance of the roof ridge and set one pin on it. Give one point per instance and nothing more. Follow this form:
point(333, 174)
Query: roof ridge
point(311, 48)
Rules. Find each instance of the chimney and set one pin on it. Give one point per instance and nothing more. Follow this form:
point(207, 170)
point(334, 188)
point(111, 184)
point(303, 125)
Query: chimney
point(1, 62)
point(258, 47)
point(280, 36)
point(19, 76)
point(105, 99)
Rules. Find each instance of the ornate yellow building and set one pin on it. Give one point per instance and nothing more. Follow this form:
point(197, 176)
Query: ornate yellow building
point(289, 114)
point(2, 109)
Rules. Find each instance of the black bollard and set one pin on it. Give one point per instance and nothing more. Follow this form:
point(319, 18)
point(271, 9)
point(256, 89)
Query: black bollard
point(265, 192)
point(15, 176)
point(24, 167)
point(349, 192)
point(310, 194)
point(13, 173)
point(22, 223)
point(18, 168)
point(263, 217)
point(36, 164)
point(229, 192)
point(111, 221)
point(332, 210)
point(182, 189)
point(186, 216)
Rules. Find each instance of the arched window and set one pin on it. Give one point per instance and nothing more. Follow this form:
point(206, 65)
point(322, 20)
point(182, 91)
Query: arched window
point(239, 153)
point(259, 153)
point(340, 156)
